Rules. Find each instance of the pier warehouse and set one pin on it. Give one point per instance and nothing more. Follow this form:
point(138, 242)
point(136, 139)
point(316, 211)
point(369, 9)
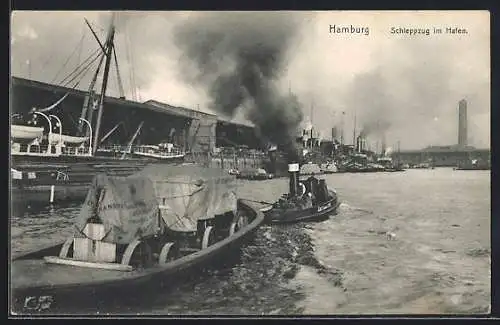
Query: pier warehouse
point(441, 156)
point(189, 129)
point(447, 155)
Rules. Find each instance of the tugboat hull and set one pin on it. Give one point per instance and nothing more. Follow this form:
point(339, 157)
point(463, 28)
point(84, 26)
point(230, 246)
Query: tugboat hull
point(316, 213)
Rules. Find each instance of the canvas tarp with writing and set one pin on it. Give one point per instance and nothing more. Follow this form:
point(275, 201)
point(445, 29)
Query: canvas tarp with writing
point(127, 207)
point(187, 194)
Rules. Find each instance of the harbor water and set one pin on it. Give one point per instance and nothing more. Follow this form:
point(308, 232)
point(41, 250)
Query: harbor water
point(414, 242)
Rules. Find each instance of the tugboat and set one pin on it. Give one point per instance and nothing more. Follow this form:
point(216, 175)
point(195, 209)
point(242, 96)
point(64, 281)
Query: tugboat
point(308, 200)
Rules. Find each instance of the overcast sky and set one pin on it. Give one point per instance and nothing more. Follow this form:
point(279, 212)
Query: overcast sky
point(408, 85)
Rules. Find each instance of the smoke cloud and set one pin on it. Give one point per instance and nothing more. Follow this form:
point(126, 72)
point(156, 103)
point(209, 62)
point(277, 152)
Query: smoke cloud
point(393, 91)
point(372, 103)
point(239, 59)
point(408, 92)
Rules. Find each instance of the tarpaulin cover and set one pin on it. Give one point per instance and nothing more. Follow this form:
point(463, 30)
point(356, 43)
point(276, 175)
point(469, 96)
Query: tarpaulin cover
point(127, 207)
point(190, 193)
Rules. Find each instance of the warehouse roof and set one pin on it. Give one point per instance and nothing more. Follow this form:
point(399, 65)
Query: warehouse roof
point(150, 104)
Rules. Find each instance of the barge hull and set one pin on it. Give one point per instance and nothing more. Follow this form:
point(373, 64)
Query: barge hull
point(105, 292)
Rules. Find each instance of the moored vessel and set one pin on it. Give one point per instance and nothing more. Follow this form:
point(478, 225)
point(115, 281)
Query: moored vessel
point(38, 134)
point(143, 230)
point(329, 168)
point(251, 173)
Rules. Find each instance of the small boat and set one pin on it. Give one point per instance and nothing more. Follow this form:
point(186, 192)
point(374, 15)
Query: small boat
point(329, 168)
point(308, 200)
point(386, 164)
point(374, 167)
point(145, 229)
point(253, 174)
point(354, 167)
point(22, 133)
point(423, 165)
point(67, 139)
point(394, 169)
point(385, 161)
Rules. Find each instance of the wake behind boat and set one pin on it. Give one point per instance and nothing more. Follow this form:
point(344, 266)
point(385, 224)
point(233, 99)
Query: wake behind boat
point(145, 229)
point(308, 200)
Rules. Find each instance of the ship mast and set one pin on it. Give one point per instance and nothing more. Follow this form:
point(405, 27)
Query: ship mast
point(383, 145)
point(342, 128)
point(354, 132)
point(312, 126)
point(399, 153)
point(89, 99)
point(108, 47)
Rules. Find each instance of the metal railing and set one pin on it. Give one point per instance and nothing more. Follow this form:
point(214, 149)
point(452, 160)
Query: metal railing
point(147, 150)
point(76, 151)
point(26, 149)
point(46, 150)
point(163, 153)
point(113, 148)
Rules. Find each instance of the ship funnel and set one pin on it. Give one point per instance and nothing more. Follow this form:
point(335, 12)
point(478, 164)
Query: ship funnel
point(293, 171)
point(272, 158)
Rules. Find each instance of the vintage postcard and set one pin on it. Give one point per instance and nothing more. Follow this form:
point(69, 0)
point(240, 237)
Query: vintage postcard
point(250, 163)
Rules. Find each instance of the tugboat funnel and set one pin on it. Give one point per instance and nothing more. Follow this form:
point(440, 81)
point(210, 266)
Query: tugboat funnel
point(293, 171)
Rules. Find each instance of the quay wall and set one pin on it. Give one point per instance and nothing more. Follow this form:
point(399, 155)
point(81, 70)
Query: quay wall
point(441, 158)
point(235, 162)
point(36, 192)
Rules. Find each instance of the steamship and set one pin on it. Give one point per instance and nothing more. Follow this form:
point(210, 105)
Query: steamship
point(31, 146)
point(308, 200)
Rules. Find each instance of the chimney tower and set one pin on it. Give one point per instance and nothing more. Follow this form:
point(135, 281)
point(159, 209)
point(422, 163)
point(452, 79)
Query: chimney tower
point(383, 146)
point(462, 123)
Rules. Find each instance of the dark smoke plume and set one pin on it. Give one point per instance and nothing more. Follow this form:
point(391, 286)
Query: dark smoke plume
point(376, 128)
point(239, 58)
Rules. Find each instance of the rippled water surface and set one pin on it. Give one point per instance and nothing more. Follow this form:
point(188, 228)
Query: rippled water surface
point(411, 242)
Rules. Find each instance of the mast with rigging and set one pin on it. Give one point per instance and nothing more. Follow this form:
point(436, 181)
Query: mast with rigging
point(89, 98)
point(354, 132)
point(108, 46)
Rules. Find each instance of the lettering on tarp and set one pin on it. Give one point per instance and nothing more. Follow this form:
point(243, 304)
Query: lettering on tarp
point(38, 303)
point(122, 206)
point(139, 207)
